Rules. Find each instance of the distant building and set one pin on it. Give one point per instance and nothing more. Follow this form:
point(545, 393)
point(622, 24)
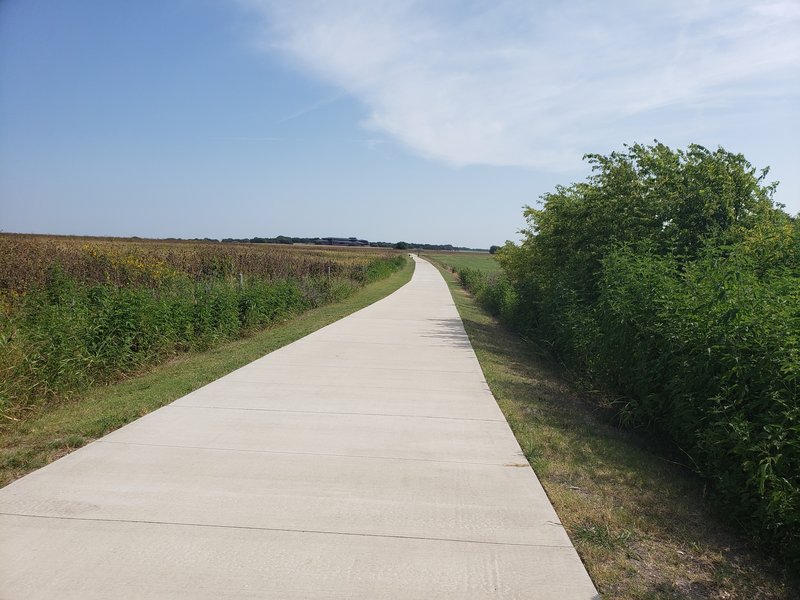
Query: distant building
point(336, 241)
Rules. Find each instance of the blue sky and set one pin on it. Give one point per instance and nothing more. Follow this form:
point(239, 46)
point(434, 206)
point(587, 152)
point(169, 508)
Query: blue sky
point(423, 121)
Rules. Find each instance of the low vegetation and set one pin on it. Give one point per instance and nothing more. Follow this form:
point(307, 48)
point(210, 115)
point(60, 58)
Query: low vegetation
point(639, 520)
point(671, 281)
point(79, 311)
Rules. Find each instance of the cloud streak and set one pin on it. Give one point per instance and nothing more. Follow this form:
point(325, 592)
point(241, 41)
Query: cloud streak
point(309, 109)
point(540, 83)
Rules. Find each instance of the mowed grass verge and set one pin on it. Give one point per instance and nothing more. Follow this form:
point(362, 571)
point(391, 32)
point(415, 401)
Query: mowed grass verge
point(30, 444)
point(465, 260)
point(637, 520)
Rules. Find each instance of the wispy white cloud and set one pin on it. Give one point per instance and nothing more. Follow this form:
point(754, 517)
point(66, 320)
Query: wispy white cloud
point(373, 143)
point(310, 108)
point(539, 83)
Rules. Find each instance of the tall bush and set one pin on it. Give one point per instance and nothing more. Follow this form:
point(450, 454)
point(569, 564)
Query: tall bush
point(671, 278)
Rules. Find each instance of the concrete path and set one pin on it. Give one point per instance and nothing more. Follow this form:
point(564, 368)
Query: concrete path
point(367, 460)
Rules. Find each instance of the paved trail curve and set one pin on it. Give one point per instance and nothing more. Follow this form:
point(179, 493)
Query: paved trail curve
point(367, 460)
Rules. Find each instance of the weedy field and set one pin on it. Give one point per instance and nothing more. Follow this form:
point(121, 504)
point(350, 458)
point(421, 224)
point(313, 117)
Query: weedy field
point(80, 311)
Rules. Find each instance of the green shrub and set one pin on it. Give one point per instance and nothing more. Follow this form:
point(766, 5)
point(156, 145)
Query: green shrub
point(492, 290)
point(708, 353)
point(671, 279)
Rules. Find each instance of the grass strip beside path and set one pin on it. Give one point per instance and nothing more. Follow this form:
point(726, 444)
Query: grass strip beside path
point(30, 444)
point(482, 261)
point(637, 520)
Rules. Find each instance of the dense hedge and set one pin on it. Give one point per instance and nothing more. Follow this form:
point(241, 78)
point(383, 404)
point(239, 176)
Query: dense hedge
point(672, 279)
point(67, 334)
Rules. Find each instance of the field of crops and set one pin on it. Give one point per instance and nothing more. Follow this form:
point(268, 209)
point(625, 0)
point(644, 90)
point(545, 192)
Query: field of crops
point(76, 311)
point(29, 260)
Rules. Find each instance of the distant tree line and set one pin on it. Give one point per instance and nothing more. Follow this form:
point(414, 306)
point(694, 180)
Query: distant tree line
point(417, 245)
point(285, 239)
point(281, 239)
